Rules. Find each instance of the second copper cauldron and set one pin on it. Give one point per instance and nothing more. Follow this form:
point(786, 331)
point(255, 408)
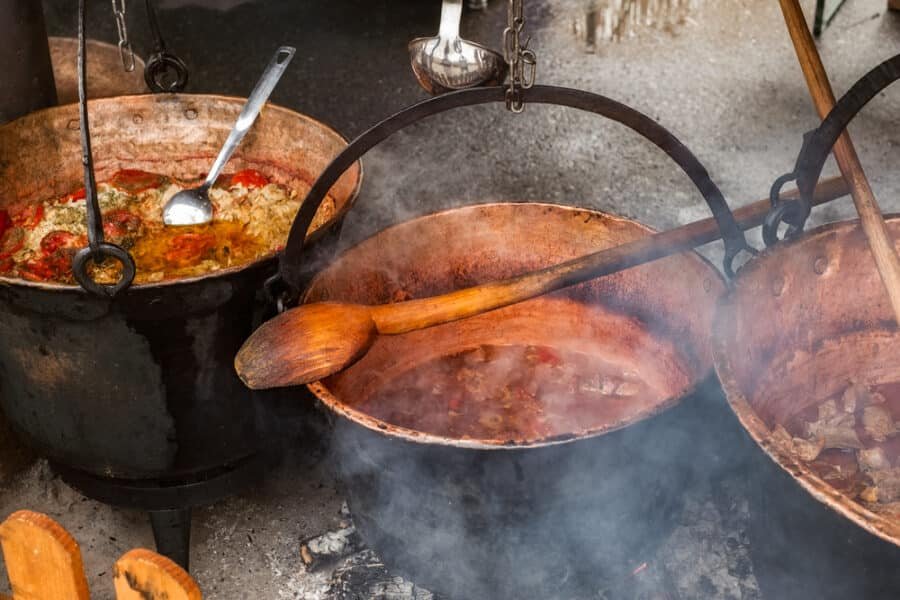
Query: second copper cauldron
point(499, 518)
point(494, 518)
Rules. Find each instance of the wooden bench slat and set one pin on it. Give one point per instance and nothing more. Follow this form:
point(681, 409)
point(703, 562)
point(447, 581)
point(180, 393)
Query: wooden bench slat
point(141, 574)
point(42, 560)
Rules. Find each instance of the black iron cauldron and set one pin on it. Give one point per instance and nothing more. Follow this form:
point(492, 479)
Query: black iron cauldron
point(135, 399)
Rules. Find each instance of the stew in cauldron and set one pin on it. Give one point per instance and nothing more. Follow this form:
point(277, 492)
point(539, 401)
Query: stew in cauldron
point(252, 217)
point(516, 392)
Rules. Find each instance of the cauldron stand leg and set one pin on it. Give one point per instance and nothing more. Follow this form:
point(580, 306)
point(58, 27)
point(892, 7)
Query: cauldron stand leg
point(172, 534)
point(169, 503)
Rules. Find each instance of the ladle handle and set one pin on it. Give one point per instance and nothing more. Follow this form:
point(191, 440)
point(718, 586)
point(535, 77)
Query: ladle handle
point(451, 15)
point(255, 102)
point(291, 266)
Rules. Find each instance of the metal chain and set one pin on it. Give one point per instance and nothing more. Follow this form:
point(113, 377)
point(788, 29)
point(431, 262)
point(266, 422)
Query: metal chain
point(125, 49)
point(522, 61)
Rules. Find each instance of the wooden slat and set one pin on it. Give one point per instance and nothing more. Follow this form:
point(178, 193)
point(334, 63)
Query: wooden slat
point(144, 575)
point(42, 560)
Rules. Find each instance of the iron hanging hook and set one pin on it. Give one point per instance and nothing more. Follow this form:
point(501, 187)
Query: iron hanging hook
point(164, 71)
point(126, 51)
point(97, 249)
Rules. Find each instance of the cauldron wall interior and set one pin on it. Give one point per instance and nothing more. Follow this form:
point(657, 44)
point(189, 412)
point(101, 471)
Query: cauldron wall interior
point(803, 320)
point(492, 518)
point(143, 386)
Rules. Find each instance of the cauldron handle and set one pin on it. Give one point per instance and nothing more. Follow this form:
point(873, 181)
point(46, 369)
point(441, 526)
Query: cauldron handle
point(97, 248)
point(291, 273)
point(817, 145)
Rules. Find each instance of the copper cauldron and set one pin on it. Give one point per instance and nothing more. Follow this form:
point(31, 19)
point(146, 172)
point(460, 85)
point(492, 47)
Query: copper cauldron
point(494, 518)
point(803, 321)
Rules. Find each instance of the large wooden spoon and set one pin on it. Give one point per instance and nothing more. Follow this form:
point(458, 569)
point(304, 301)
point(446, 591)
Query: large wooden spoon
point(845, 154)
point(315, 340)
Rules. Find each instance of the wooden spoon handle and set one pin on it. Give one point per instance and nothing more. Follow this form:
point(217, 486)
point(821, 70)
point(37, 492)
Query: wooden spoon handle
point(845, 154)
point(426, 312)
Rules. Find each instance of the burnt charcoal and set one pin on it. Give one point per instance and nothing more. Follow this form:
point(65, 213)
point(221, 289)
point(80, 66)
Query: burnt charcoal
point(326, 550)
point(364, 577)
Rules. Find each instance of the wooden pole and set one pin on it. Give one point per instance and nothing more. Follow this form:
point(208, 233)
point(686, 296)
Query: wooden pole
point(866, 206)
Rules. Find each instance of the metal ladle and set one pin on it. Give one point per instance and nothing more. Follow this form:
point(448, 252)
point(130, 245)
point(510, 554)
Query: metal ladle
point(447, 62)
point(192, 206)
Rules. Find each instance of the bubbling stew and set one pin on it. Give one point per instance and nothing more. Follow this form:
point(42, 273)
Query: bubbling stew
point(511, 393)
point(852, 442)
point(251, 219)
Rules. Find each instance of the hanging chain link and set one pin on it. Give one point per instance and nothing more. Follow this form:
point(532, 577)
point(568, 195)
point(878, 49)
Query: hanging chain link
point(125, 49)
point(522, 61)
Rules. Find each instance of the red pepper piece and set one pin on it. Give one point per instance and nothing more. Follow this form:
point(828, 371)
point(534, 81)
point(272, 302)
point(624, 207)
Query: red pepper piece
point(76, 195)
point(11, 242)
point(249, 178)
point(56, 267)
point(189, 248)
point(58, 240)
point(119, 223)
point(28, 216)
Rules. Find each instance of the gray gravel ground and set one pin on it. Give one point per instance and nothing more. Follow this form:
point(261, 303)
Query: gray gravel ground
point(725, 81)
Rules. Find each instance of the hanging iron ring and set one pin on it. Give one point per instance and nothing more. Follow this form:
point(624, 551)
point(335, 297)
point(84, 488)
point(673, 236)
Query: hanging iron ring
point(817, 145)
point(97, 249)
point(163, 72)
point(97, 254)
point(792, 213)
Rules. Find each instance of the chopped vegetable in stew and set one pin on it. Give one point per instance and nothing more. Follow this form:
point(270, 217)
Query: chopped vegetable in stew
point(852, 441)
point(521, 393)
point(252, 217)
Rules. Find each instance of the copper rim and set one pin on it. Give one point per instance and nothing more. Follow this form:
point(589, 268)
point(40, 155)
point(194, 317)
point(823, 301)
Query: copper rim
point(38, 120)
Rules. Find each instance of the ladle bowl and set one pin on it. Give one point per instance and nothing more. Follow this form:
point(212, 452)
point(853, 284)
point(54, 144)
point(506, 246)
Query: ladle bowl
point(447, 62)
